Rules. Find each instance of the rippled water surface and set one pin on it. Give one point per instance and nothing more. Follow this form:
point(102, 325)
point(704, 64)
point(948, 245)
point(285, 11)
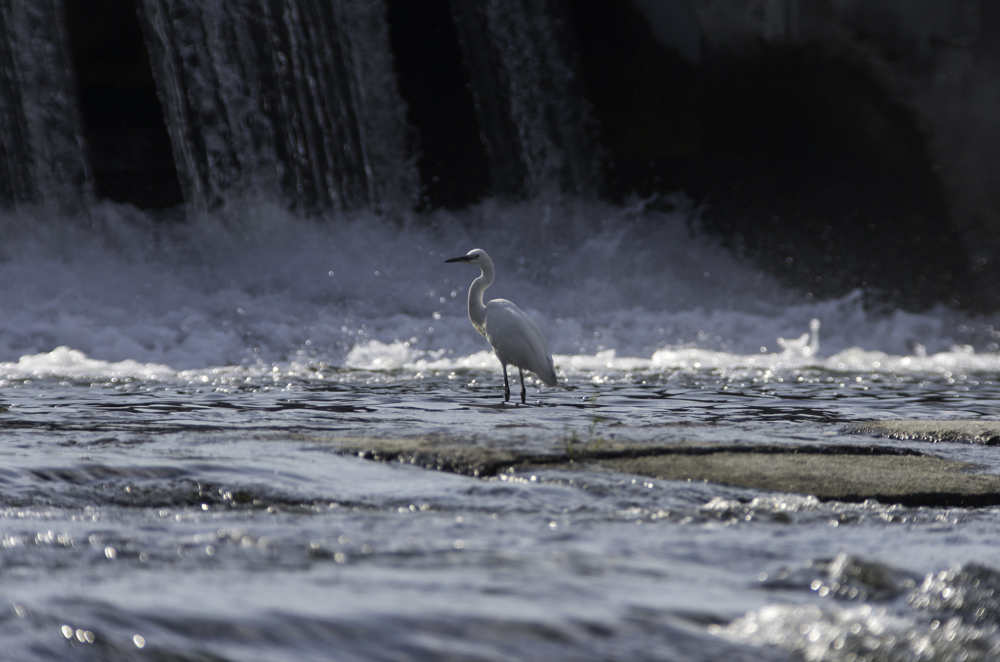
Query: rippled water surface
point(189, 518)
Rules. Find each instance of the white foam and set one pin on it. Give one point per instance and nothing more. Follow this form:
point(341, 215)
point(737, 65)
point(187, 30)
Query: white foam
point(958, 360)
point(836, 632)
point(375, 356)
point(74, 364)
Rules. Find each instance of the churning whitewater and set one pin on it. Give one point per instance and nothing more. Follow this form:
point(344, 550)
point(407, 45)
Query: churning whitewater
point(613, 288)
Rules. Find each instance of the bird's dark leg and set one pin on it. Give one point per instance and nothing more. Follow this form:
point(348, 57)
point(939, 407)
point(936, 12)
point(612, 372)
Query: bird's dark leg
point(521, 373)
point(506, 385)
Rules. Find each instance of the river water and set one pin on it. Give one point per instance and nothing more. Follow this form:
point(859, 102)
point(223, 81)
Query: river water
point(171, 487)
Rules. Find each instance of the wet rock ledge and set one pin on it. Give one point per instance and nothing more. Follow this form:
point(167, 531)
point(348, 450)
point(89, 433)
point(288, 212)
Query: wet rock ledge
point(835, 471)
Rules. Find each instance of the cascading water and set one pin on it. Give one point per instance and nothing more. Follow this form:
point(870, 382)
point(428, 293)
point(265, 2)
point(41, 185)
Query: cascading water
point(41, 145)
point(281, 100)
point(533, 122)
point(297, 103)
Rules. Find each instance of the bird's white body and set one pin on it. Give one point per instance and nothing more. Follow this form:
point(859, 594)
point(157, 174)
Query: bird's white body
point(515, 338)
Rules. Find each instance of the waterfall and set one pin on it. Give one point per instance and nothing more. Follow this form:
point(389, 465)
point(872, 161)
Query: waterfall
point(293, 102)
point(533, 119)
point(42, 156)
point(281, 99)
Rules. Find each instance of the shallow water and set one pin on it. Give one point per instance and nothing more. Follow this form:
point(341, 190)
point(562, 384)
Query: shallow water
point(170, 487)
point(216, 521)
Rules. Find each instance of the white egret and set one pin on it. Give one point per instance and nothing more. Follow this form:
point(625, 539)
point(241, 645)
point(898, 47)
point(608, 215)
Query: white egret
point(515, 338)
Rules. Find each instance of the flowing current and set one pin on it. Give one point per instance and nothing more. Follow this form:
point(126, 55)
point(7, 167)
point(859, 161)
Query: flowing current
point(171, 486)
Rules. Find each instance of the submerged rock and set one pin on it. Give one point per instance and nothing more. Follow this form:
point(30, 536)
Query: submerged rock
point(842, 472)
point(976, 432)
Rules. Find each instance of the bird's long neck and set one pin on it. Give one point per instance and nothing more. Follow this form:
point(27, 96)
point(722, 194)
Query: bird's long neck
point(477, 309)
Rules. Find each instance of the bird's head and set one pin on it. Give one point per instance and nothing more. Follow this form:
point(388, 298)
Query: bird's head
point(476, 256)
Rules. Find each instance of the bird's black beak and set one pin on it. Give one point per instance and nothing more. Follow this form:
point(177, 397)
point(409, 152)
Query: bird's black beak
point(464, 258)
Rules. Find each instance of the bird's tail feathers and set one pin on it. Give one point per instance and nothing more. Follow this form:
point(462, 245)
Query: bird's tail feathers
point(549, 377)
